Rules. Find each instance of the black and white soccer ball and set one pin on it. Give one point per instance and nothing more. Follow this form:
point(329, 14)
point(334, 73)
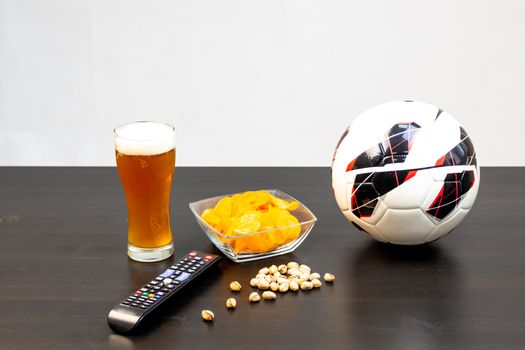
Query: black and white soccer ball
point(405, 172)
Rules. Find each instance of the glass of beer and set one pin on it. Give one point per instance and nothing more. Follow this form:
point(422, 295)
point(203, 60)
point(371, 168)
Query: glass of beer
point(145, 154)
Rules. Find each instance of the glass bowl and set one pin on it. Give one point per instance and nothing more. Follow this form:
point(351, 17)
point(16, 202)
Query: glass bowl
point(226, 243)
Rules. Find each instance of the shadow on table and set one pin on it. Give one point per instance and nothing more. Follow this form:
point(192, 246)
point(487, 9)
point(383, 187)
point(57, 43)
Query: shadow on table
point(404, 296)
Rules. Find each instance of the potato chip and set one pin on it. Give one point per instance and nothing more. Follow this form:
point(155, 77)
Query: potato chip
point(293, 205)
point(262, 199)
point(279, 237)
point(224, 207)
point(279, 203)
point(253, 211)
point(210, 217)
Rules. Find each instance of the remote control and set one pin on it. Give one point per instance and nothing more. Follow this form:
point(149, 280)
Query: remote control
point(130, 312)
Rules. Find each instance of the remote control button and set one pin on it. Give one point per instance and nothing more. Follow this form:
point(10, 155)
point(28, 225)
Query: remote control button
point(170, 286)
point(161, 293)
point(157, 287)
point(182, 276)
point(145, 294)
point(132, 297)
point(144, 306)
point(197, 258)
point(166, 273)
point(192, 254)
point(182, 269)
point(208, 257)
point(176, 282)
point(165, 290)
point(154, 283)
point(151, 295)
point(143, 289)
point(134, 304)
point(167, 281)
point(192, 270)
point(158, 297)
point(158, 278)
point(125, 302)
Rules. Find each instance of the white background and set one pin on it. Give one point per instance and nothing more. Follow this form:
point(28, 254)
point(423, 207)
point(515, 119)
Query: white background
point(252, 82)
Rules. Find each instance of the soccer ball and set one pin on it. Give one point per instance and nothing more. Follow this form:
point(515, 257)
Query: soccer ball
point(405, 172)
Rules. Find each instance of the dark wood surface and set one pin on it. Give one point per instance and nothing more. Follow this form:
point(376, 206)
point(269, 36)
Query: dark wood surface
point(63, 265)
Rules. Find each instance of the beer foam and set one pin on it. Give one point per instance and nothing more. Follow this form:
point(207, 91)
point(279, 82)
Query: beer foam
point(144, 138)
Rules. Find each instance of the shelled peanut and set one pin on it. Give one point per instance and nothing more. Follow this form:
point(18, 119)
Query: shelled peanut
point(289, 277)
point(271, 279)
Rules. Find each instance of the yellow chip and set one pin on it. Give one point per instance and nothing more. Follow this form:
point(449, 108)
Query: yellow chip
point(210, 217)
point(248, 223)
point(293, 205)
point(253, 211)
point(279, 203)
point(279, 236)
point(224, 207)
point(262, 198)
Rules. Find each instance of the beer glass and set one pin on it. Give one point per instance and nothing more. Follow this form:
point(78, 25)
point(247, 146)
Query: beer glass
point(145, 153)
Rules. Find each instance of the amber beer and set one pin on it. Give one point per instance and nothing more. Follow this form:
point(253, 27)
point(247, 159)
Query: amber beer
point(145, 153)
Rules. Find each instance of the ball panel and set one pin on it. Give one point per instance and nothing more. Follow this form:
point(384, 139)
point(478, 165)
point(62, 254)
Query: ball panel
point(469, 147)
point(411, 194)
point(470, 197)
point(433, 141)
point(393, 148)
point(405, 226)
point(363, 199)
point(377, 214)
point(368, 228)
point(398, 142)
point(454, 188)
point(340, 179)
point(343, 136)
point(445, 227)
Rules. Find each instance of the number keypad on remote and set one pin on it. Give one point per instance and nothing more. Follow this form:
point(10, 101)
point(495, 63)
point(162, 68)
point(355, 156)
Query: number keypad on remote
point(166, 282)
point(130, 311)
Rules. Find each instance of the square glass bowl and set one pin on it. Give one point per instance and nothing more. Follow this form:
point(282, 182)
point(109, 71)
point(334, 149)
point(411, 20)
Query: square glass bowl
point(226, 243)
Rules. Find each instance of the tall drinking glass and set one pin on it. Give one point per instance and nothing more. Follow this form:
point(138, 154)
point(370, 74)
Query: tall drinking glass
point(145, 153)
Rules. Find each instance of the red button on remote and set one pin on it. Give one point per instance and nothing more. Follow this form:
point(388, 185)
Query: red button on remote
point(192, 254)
point(138, 292)
point(207, 257)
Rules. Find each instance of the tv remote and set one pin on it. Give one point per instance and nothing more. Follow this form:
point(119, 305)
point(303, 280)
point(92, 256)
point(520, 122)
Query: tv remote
point(130, 312)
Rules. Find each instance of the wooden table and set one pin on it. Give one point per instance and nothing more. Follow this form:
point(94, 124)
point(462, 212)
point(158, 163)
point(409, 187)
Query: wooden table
point(63, 265)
